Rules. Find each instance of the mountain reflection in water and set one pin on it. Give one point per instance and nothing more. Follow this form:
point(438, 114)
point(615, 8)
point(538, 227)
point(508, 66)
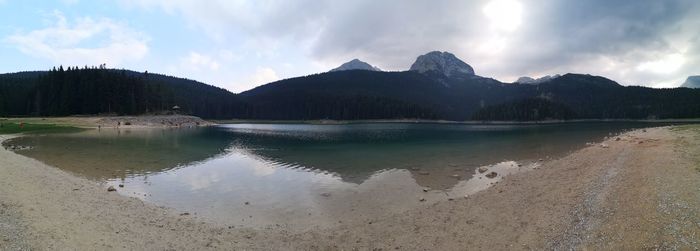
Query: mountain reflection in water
point(282, 169)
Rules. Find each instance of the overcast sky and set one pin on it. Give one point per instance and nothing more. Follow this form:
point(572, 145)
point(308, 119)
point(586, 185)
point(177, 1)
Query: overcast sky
point(239, 44)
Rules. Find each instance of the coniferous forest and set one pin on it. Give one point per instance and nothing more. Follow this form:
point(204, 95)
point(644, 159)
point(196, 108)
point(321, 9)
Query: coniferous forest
point(96, 90)
point(531, 109)
point(344, 95)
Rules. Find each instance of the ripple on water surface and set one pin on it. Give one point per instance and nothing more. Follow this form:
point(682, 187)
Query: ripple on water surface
point(306, 175)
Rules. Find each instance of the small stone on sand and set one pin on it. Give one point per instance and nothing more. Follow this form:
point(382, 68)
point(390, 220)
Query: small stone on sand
point(111, 189)
point(491, 175)
point(483, 169)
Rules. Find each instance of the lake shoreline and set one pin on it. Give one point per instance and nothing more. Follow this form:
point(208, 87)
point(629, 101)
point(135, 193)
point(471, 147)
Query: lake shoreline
point(125, 122)
point(420, 121)
point(605, 190)
point(169, 121)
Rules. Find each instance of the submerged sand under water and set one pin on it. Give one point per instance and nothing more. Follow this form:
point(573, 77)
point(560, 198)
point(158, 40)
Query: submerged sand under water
point(305, 176)
point(631, 194)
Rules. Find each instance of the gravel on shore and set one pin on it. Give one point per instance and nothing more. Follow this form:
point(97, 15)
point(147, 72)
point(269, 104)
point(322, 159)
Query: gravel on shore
point(153, 121)
point(12, 229)
point(633, 193)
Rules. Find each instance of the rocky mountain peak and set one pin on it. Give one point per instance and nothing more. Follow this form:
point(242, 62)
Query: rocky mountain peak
point(692, 82)
point(442, 62)
point(356, 64)
point(533, 81)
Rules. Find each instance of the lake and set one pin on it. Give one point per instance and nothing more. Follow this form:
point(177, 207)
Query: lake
point(301, 175)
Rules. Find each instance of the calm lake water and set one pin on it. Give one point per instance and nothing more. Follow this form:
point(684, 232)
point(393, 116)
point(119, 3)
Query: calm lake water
point(304, 175)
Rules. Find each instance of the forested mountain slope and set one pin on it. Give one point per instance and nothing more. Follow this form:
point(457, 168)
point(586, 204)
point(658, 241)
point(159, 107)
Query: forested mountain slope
point(342, 95)
point(90, 91)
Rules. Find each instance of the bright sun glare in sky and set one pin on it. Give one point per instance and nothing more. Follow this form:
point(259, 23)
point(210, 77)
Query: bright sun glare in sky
point(504, 15)
point(668, 64)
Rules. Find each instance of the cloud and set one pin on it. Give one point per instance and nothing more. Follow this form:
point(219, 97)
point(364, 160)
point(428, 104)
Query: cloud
point(504, 14)
point(610, 38)
point(196, 61)
point(259, 20)
point(262, 75)
point(222, 68)
point(641, 42)
point(580, 35)
point(209, 67)
point(83, 41)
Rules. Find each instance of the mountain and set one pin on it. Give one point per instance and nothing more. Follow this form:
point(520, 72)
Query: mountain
point(443, 63)
point(356, 64)
point(529, 109)
point(91, 91)
point(692, 82)
point(345, 95)
point(349, 95)
point(440, 86)
point(532, 81)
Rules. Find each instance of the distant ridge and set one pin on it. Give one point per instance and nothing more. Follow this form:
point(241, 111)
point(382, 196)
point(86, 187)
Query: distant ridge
point(532, 81)
point(692, 82)
point(439, 86)
point(356, 64)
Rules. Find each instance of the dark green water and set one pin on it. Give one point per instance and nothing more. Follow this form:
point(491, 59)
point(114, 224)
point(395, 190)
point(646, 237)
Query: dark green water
point(296, 174)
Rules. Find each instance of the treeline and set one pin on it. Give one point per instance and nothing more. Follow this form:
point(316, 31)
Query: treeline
point(575, 96)
point(347, 95)
point(343, 95)
point(592, 97)
point(97, 90)
point(414, 95)
point(532, 109)
point(336, 107)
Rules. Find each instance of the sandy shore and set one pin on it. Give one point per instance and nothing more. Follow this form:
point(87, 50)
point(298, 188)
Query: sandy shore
point(636, 192)
point(143, 121)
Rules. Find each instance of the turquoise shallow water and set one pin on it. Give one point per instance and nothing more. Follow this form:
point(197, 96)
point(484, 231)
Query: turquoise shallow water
point(301, 174)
